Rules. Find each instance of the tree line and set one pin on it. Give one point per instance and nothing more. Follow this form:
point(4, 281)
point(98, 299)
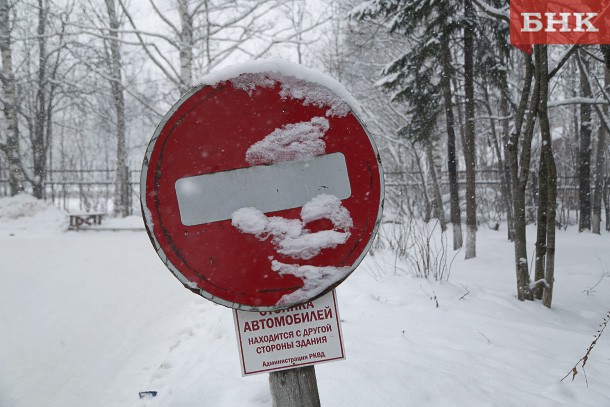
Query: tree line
point(540, 110)
point(84, 82)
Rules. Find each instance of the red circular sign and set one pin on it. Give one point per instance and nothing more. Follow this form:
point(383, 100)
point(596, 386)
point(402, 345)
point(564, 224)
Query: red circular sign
point(262, 190)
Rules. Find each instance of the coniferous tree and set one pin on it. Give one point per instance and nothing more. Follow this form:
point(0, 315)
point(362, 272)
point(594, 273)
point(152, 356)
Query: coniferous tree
point(417, 79)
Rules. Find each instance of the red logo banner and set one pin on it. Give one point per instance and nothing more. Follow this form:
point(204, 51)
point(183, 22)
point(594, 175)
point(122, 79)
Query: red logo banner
point(559, 22)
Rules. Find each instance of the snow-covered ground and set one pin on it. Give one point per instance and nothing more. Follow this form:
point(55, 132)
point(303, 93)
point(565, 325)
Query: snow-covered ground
point(94, 318)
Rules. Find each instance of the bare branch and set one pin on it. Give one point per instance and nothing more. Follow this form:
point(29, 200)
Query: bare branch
point(171, 77)
point(583, 361)
point(134, 31)
point(102, 74)
point(577, 101)
point(563, 60)
point(161, 16)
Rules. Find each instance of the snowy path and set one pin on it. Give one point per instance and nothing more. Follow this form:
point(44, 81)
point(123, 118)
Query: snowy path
point(79, 309)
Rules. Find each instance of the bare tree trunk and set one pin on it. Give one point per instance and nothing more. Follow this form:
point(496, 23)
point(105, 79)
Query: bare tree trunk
point(607, 202)
point(49, 87)
point(584, 149)
point(48, 138)
point(551, 201)
point(547, 297)
point(541, 224)
point(39, 150)
point(294, 387)
point(504, 183)
point(469, 133)
point(186, 46)
point(596, 218)
point(505, 101)
point(422, 177)
point(10, 147)
point(437, 202)
point(454, 196)
point(519, 168)
point(208, 36)
point(121, 204)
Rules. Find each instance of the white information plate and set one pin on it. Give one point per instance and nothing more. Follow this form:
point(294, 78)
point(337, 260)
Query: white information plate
point(300, 336)
point(213, 197)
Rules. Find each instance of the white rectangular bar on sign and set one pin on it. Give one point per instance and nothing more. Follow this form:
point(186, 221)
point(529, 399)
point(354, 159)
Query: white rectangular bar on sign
point(214, 197)
point(299, 336)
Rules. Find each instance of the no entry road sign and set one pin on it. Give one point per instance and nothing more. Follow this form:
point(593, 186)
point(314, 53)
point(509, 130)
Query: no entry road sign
point(261, 188)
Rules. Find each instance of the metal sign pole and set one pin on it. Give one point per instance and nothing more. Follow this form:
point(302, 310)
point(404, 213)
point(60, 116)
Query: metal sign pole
point(294, 387)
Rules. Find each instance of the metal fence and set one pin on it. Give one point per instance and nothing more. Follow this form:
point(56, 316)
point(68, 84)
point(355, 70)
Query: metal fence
point(411, 186)
point(89, 190)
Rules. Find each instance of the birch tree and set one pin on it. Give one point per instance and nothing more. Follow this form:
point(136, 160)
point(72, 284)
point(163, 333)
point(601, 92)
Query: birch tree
point(9, 143)
point(43, 111)
point(469, 130)
point(121, 203)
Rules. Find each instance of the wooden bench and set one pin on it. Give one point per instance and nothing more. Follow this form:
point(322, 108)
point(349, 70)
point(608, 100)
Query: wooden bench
point(78, 220)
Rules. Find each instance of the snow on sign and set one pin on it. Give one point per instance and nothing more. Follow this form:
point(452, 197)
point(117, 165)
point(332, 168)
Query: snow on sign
point(304, 335)
point(261, 187)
